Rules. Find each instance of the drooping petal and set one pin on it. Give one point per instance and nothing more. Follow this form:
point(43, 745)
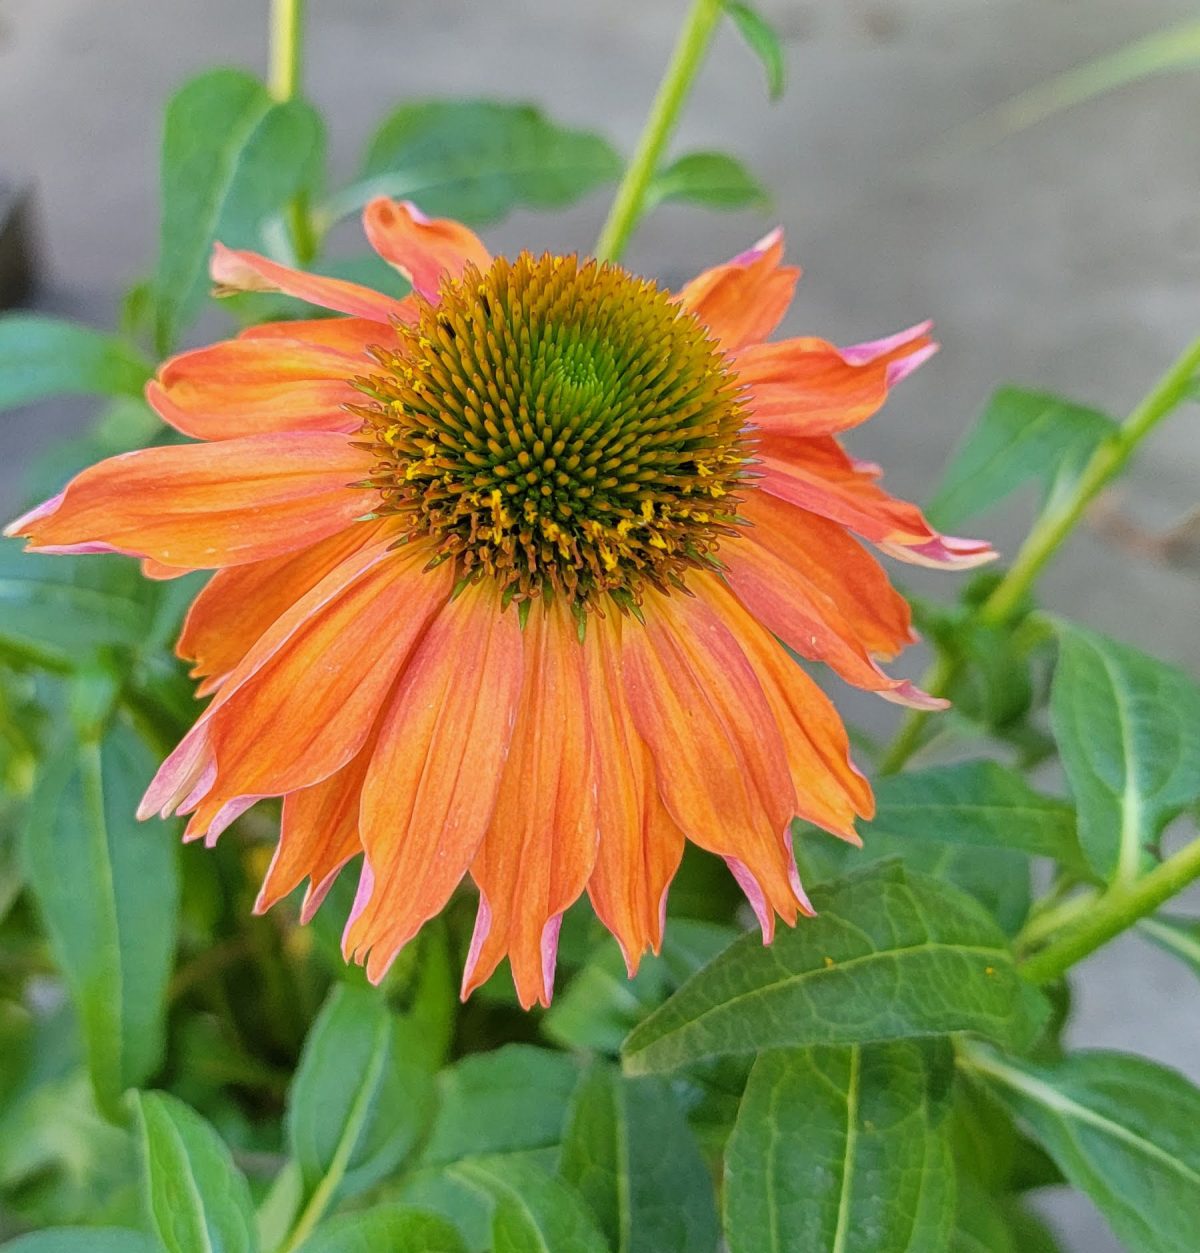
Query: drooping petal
point(811, 387)
point(719, 758)
point(830, 791)
point(352, 337)
point(744, 300)
point(317, 837)
point(423, 249)
point(818, 475)
point(235, 270)
point(640, 845)
point(431, 786)
point(238, 604)
point(202, 506)
point(539, 850)
point(258, 384)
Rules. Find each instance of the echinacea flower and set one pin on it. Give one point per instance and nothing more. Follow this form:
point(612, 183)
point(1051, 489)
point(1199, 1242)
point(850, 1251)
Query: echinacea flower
point(504, 575)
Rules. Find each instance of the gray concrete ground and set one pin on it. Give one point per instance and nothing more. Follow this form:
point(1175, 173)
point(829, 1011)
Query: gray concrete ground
point(1066, 258)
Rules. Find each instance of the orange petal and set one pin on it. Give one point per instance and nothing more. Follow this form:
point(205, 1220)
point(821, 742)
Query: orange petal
point(252, 386)
point(350, 336)
point(539, 850)
point(235, 270)
point(830, 791)
point(201, 506)
point(640, 845)
point(239, 603)
point(818, 475)
point(743, 301)
point(423, 249)
point(317, 837)
point(811, 387)
point(837, 567)
point(718, 756)
point(432, 782)
point(320, 693)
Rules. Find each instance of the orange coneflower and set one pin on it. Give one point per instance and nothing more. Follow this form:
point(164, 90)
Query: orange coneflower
point(502, 575)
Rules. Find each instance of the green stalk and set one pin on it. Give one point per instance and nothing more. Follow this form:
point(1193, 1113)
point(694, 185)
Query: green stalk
point(1117, 910)
point(1051, 529)
point(283, 81)
point(673, 91)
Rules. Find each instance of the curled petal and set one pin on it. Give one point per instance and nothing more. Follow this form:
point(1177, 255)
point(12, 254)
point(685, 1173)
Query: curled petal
point(431, 786)
point(237, 270)
point(810, 387)
point(719, 759)
point(743, 301)
point(539, 850)
point(202, 506)
point(424, 250)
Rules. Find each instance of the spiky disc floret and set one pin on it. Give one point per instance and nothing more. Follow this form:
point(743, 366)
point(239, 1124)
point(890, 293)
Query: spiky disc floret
point(559, 427)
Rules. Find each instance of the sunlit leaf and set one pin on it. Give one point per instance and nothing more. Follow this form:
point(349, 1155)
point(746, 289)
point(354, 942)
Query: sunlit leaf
point(199, 1201)
point(232, 157)
point(627, 1149)
point(714, 179)
point(477, 160)
point(842, 1148)
point(42, 356)
point(763, 41)
point(1128, 730)
point(891, 954)
point(106, 887)
point(388, 1229)
point(1123, 1130)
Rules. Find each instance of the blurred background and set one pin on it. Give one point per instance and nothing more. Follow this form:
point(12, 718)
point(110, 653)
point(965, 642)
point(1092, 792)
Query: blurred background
point(1063, 257)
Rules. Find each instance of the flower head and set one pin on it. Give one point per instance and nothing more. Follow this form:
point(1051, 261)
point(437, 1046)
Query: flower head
point(503, 575)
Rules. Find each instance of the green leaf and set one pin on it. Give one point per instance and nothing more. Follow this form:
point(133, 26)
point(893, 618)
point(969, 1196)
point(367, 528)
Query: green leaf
point(82, 1240)
point(232, 157)
point(890, 954)
point(627, 1149)
point(763, 42)
point(534, 1212)
point(842, 1149)
point(477, 160)
point(199, 1201)
point(1022, 436)
point(715, 179)
point(106, 887)
point(361, 1095)
point(1128, 730)
point(42, 356)
point(1180, 936)
point(391, 1228)
point(1121, 1128)
point(510, 1100)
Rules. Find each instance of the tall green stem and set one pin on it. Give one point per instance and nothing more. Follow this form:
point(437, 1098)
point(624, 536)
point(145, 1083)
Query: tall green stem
point(284, 75)
point(1117, 910)
point(630, 201)
point(1052, 528)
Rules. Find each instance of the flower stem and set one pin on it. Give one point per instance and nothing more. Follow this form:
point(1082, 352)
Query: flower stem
point(287, 59)
point(630, 201)
point(1051, 529)
point(1117, 910)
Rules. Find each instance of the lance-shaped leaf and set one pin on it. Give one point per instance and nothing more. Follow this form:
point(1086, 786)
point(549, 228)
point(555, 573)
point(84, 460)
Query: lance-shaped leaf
point(1128, 730)
point(232, 157)
point(477, 160)
point(761, 38)
point(41, 356)
point(714, 179)
point(1121, 1128)
point(891, 954)
point(842, 1149)
point(83, 1240)
point(1022, 437)
point(361, 1095)
point(106, 887)
point(630, 1154)
point(390, 1228)
point(199, 1202)
point(1180, 936)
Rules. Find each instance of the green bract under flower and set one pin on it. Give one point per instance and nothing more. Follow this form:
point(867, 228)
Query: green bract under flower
point(560, 427)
